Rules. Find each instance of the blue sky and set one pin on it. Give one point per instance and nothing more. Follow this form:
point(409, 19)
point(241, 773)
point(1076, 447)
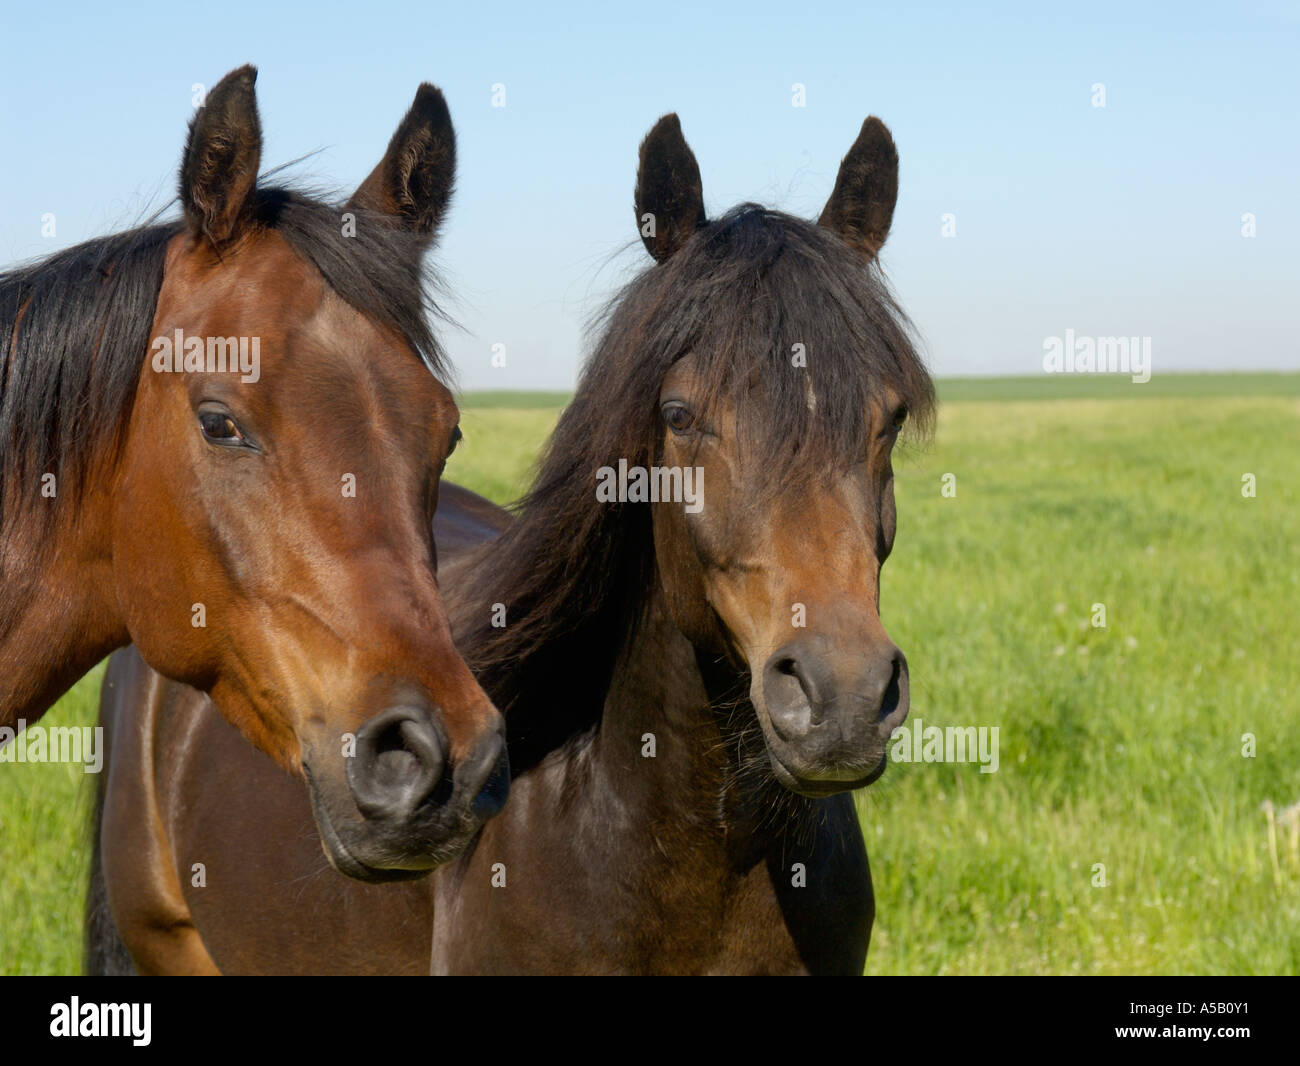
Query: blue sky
point(1122, 220)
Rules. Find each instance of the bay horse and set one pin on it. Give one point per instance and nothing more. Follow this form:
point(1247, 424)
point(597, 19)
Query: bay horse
point(251, 508)
point(691, 693)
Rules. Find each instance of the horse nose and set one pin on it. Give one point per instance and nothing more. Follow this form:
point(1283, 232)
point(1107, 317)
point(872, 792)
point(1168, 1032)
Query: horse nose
point(803, 688)
point(398, 762)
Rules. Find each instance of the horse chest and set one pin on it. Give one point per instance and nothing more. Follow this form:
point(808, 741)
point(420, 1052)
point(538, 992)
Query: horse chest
point(536, 906)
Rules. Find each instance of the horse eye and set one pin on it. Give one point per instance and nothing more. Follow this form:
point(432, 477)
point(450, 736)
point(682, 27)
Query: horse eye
point(900, 416)
point(678, 416)
point(219, 428)
point(456, 437)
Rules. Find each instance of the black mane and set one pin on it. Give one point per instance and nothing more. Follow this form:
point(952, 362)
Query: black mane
point(76, 327)
point(739, 295)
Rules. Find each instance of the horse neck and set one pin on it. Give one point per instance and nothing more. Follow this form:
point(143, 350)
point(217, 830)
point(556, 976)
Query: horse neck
point(57, 612)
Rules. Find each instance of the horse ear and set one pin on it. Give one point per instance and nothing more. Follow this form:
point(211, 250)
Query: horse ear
point(222, 154)
point(669, 194)
point(861, 206)
point(413, 181)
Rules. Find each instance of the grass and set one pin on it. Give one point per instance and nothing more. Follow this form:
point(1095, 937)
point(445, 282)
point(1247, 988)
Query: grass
point(44, 847)
point(1120, 746)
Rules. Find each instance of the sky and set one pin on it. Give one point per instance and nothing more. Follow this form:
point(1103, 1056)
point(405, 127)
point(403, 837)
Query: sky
point(1122, 220)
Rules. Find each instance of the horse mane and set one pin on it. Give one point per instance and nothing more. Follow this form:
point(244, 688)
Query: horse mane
point(75, 327)
point(574, 575)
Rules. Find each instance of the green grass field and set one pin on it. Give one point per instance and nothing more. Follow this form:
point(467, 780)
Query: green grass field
point(1120, 746)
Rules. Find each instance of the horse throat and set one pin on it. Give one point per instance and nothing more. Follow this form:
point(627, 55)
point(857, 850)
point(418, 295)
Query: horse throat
point(678, 732)
point(56, 618)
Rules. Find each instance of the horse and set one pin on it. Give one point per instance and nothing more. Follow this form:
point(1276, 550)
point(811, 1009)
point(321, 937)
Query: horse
point(221, 440)
point(692, 686)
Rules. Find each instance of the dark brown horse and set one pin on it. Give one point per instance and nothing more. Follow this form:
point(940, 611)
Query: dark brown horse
point(691, 687)
point(221, 440)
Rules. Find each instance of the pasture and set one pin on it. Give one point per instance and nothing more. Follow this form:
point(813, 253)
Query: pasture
point(1124, 831)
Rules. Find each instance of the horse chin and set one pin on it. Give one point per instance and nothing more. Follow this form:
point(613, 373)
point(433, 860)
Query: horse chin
point(344, 861)
point(347, 864)
point(820, 788)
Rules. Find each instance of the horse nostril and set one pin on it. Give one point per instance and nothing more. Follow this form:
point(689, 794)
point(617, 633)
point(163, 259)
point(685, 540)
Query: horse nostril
point(893, 691)
point(398, 751)
point(790, 667)
point(893, 696)
point(789, 694)
point(398, 762)
point(492, 795)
